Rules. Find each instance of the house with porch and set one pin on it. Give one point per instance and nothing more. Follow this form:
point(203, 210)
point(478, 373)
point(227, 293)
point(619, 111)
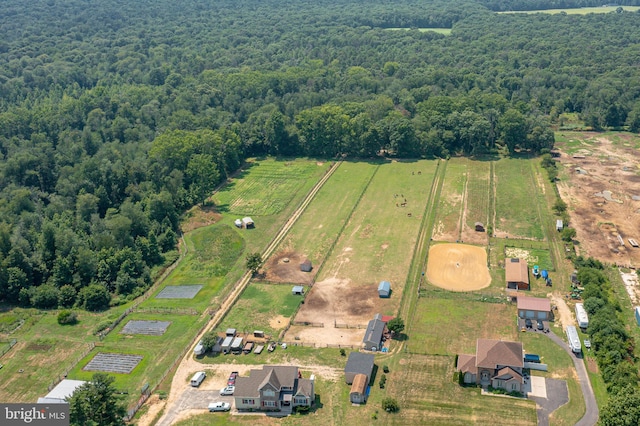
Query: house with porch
point(274, 388)
point(497, 363)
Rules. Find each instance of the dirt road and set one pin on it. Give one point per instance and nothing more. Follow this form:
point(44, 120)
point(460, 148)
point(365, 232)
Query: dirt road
point(188, 365)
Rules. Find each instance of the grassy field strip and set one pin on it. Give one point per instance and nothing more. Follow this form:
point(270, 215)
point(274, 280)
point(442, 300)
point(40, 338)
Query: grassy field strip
point(477, 196)
point(578, 11)
point(424, 387)
point(316, 231)
point(264, 188)
point(378, 240)
point(516, 217)
point(421, 250)
point(449, 211)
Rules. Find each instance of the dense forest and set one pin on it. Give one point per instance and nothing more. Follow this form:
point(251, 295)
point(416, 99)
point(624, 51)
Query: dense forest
point(117, 116)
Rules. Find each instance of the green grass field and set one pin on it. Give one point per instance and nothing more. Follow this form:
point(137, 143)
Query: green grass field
point(380, 236)
point(451, 204)
point(159, 352)
point(259, 304)
point(516, 197)
point(266, 187)
point(579, 11)
point(316, 230)
point(427, 394)
point(451, 326)
point(212, 251)
point(477, 197)
point(45, 350)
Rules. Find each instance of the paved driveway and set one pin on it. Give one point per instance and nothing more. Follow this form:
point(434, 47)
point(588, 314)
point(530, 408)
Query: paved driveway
point(549, 395)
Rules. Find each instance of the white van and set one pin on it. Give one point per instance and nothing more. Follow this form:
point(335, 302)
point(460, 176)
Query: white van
point(198, 378)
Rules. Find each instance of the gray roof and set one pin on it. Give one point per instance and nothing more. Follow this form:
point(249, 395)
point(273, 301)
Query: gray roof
point(373, 335)
point(360, 363)
point(275, 375)
point(384, 285)
point(227, 341)
point(297, 289)
point(64, 389)
point(305, 388)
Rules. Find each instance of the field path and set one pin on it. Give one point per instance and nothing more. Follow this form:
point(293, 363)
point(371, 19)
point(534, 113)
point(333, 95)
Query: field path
point(188, 365)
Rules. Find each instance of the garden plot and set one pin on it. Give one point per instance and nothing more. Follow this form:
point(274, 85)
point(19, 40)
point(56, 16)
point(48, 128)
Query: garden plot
point(179, 292)
point(113, 363)
point(149, 328)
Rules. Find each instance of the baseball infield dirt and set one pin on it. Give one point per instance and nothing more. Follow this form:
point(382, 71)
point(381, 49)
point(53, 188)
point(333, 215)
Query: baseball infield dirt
point(458, 267)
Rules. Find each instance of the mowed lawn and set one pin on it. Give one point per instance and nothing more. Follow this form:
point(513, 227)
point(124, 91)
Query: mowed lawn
point(378, 241)
point(159, 352)
point(452, 326)
point(325, 217)
point(451, 203)
point(428, 395)
point(516, 194)
point(258, 306)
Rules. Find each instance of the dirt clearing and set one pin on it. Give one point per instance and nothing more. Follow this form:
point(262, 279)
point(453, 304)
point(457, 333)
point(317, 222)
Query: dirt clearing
point(284, 267)
point(458, 267)
point(602, 189)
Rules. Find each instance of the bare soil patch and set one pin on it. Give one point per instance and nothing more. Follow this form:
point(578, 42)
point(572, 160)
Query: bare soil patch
point(284, 267)
point(342, 301)
point(632, 285)
point(458, 267)
point(600, 195)
point(278, 322)
point(200, 216)
point(38, 347)
point(325, 335)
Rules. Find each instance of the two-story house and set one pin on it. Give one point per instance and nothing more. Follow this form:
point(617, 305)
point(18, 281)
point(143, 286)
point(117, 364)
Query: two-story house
point(497, 363)
point(274, 388)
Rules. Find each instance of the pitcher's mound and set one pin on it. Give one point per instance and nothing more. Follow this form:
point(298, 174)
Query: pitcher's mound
point(458, 267)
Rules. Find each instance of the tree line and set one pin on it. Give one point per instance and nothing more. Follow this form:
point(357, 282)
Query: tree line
point(116, 117)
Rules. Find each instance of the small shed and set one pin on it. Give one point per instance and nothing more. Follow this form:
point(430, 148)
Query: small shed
point(247, 222)
point(559, 225)
point(297, 290)
point(230, 332)
point(358, 394)
point(306, 266)
point(238, 223)
point(479, 227)
point(384, 289)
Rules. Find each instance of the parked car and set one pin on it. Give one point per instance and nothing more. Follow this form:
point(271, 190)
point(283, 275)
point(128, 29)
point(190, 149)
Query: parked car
point(227, 390)
point(232, 378)
point(219, 406)
point(528, 323)
point(540, 325)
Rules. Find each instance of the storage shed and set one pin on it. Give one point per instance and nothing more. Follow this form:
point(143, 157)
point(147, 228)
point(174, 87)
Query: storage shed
point(559, 225)
point(306, 266)
point(247, 222)
point(226, 344)
point(297, 290)
point(358, 394)
point(384, 289)
point(479, 227)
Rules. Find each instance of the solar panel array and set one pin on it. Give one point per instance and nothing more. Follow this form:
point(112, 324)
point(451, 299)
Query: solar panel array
point(150, 328)
point(113, 363)
point(179, 292)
